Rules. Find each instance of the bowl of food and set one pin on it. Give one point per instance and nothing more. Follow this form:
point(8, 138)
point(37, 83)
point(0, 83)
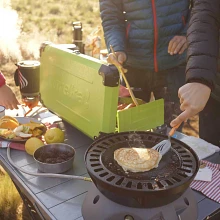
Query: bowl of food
point(54, 158)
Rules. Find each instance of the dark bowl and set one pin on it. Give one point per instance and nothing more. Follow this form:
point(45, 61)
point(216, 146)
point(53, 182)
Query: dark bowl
point(54, 158)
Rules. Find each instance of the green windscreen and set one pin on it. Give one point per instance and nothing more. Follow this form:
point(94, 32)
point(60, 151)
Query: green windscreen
point(71, 86)
point(142, 117)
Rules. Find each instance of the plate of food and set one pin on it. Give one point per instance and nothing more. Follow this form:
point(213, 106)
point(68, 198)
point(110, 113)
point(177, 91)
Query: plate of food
point(20, 129)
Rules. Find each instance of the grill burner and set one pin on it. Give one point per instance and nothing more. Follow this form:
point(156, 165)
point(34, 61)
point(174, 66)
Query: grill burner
point(153, 188)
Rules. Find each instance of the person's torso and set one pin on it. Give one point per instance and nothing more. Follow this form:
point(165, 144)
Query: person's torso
point(150, 27)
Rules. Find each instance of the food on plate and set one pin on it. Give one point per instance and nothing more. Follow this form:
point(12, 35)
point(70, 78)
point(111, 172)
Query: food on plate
point(36, 129)
point(8, 122)
point(9, 134)
point(54, 135)
point(6, 117)
point(32, 144)
point(137, 159)
point(10, 128)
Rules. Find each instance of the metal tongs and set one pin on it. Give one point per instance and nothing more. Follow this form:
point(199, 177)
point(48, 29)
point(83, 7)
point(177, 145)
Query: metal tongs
point(121, 70)
point(164, 146)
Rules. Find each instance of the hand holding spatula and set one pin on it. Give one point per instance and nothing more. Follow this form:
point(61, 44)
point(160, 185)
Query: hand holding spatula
point(122, 71)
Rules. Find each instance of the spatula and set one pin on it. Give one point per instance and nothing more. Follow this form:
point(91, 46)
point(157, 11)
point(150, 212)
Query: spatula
point(164, 146)
point(121, 71)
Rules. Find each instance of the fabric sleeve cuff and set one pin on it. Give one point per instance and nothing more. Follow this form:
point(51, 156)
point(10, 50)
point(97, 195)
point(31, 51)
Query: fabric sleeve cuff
point(2, 79)
point(202, 81)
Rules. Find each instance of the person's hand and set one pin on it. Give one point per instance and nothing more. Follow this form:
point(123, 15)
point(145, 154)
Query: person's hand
point(177, 45)
point(118, 59)
point(193, 98)
point(7, 98)
point(123, 91)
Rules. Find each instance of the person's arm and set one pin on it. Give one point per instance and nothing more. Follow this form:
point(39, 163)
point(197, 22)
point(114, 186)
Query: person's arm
point(7, 97)
point(203, 44)
point(113, 23)
point(114, 26)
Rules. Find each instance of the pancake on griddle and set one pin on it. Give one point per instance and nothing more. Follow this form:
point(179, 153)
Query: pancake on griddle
point(137, 159)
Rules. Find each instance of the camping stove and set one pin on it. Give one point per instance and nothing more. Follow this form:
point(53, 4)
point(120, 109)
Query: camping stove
point(31, 102)
point(98, 207)
point(161, 193)
point(27, 77)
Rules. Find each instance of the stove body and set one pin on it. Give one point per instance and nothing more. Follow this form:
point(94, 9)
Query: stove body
point(97, 206)
point(84, 91)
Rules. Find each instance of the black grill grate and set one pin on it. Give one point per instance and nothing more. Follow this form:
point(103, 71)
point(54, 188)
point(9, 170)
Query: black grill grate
point(178, 166)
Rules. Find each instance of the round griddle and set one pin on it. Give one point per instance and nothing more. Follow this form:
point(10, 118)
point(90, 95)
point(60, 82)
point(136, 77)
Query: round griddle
point(156, 187)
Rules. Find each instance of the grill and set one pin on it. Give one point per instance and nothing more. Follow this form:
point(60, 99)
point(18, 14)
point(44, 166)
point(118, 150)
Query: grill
point(153, 188)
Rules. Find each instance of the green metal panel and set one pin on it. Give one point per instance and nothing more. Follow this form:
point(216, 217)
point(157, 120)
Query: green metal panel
point(71, 86)
point(142, 117)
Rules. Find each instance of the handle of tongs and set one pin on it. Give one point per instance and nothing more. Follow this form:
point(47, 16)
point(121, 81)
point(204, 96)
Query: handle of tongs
point(173, 130)
point(121, 71)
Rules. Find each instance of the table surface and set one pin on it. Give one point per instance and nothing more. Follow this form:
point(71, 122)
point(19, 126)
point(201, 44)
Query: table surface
point(57, 198)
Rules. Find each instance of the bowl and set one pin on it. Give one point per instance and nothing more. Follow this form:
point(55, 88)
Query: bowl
point(54, 158)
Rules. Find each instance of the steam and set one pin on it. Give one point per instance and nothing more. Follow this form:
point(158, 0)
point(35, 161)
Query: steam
point(10, 29)
point(135, 140)
point(14, 43)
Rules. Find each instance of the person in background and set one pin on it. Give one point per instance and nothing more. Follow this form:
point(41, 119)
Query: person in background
point(201, 93)
point(7, 97)
point(149, 40)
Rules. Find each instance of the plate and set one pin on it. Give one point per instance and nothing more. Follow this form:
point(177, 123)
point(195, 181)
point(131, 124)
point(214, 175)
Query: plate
point(24, 120)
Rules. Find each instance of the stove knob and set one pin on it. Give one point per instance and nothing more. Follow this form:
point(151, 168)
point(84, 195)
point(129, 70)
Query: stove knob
point(128, 217)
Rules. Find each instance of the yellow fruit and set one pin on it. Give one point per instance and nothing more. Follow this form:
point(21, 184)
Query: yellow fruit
point(33, 144)
point(9, 124)
point(6, 117)
point(54, 135)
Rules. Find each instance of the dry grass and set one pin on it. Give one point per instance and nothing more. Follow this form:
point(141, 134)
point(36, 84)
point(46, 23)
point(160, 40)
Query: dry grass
point(53, 18)
point(10, 201)
point(48, 20)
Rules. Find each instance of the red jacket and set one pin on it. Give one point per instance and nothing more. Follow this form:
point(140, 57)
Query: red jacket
point(2, 79)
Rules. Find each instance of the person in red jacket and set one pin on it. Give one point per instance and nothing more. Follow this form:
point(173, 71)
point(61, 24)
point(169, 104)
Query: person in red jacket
point(7, 97)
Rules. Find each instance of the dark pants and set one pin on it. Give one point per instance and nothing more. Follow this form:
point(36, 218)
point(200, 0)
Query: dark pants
point(209, 122)
point(164, 84)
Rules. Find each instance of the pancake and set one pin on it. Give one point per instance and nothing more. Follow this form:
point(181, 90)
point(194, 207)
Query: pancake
point(137, 159)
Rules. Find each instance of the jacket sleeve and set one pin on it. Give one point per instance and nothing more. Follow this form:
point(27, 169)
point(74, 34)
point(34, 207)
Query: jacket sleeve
point(113, 22)
point(186, 20)
point(202, 37)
